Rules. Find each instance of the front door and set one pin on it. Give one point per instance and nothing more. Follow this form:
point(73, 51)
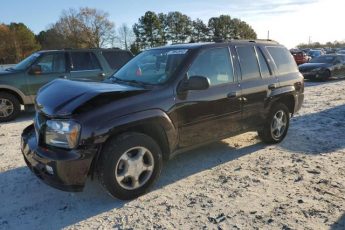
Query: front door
point(52, 65)
point(85, 67)
point(206, 115)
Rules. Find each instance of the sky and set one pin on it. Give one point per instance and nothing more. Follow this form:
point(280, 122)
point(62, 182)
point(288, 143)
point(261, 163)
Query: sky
point(290, 22)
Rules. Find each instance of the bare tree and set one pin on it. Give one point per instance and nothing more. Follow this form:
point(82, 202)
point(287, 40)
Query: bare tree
point(125, 36)
point(84, 28)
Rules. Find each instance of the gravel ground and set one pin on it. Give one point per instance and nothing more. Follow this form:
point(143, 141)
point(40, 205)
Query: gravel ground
point(238, 183)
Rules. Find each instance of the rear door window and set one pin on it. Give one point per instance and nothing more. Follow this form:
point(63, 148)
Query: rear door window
point(117, 59)
point(283, 59)
point(264, 69)
point(82, 61)
point(248, 62)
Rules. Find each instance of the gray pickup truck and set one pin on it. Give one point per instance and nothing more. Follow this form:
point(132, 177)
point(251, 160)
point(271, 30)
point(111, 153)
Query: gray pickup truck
point(19, 84)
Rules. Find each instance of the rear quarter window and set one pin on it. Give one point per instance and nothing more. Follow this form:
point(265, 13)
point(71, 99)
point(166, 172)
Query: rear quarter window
point(283, 59)
point(117, 59)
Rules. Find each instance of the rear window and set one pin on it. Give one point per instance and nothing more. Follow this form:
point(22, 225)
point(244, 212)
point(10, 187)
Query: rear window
point(117, 59)
point(283, 59)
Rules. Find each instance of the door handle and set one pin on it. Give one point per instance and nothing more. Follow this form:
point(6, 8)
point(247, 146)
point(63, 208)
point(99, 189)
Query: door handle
point(233, 94)
point(64, 77)
point(102, 75)
point(272, 86)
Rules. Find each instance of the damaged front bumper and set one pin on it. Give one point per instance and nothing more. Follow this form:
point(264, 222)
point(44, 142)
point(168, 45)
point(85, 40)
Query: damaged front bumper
point(66, 170)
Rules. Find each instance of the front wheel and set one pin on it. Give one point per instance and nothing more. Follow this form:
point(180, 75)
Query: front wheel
point(9, 107)
point(129, 165)
point(276, 125)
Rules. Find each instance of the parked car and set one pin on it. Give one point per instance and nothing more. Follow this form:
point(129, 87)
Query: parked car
point(315, 53)
point(300, 57)
point(342, 52)
point(20, 83)
point(324, 67)
point(163, 102)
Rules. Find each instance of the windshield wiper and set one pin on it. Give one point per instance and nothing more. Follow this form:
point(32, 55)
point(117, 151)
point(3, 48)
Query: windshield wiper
point(130, 81)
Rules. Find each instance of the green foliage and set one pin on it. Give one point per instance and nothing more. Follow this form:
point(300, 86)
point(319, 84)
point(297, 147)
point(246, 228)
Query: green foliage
point(158, 29)
point(225, 28)
point(149, 31)
point(335, 44)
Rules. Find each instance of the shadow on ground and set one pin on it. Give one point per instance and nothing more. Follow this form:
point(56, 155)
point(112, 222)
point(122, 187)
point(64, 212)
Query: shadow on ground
point(23, 116)
point(316, 133)
point(340, 224)
point(27, 202)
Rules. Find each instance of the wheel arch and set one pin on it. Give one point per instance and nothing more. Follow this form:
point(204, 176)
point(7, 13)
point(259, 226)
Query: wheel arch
point(19, 95)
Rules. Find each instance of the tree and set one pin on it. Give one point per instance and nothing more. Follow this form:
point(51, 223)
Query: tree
point(200, 31)
point(18, 41)
point(220, 27)
point(224, 28)
point(125, 36)
point(149, 31)
point(178, 27)
point(83, 28)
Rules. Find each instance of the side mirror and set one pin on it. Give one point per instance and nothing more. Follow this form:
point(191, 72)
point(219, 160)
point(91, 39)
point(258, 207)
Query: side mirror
point(35, 70)
point(195, 83)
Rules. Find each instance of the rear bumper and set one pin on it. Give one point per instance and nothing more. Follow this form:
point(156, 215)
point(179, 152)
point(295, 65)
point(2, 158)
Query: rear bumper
point(66, 170)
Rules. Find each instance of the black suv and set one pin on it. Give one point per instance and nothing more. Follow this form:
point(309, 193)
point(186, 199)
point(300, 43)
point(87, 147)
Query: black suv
point(163, 102)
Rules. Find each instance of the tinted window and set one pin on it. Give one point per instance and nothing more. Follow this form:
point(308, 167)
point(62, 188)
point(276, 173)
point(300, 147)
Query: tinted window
point(248, 62)
point(116, 59)
point(265, 72)
point(214, 64)
point(84, 61)
point(52, 63)
point(283, 59)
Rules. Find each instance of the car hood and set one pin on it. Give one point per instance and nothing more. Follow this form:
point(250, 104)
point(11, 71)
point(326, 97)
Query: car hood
point(64, 97)
point(311, 66)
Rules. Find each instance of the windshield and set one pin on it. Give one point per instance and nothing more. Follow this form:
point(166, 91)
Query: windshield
point(26, 62)
point(314, 52)
point(323, 59)
point(152, 66)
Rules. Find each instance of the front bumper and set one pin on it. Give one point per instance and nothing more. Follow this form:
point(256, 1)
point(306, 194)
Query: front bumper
point(66, 170)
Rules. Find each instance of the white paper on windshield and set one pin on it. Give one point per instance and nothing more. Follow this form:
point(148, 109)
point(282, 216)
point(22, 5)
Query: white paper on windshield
point(175, 52)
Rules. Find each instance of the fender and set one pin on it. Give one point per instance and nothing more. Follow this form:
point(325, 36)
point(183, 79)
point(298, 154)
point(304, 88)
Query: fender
point(278, 94)
point(282, 90)
point(153, 116)
point(23, 97)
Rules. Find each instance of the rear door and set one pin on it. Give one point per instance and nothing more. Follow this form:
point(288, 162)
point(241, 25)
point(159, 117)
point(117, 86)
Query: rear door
point(206, 115)
point(85, 66)
point(256, 80)
point(53, 66)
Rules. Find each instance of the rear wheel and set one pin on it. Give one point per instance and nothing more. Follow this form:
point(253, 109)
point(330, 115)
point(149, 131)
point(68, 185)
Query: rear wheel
point(276, 125)
point(9, 107)
point(129, 165)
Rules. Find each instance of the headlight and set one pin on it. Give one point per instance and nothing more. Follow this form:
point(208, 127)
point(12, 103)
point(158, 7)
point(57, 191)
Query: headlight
point(64, 134)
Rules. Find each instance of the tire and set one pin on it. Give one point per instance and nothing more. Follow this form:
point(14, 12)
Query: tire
point(121, 161)
point(269, 134)
point(9, 107)
point(327, 75)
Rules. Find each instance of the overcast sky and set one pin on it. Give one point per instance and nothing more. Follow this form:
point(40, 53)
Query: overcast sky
point(290, 22)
